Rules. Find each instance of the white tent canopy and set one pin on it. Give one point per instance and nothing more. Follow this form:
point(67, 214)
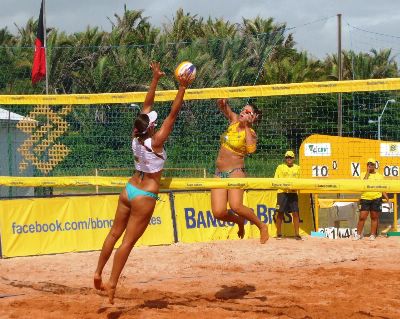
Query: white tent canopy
point(6, 115)
point(11, 138)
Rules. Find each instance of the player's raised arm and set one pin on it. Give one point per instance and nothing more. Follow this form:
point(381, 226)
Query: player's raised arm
point(166, 128)
point(226, 110)
point(149, 100)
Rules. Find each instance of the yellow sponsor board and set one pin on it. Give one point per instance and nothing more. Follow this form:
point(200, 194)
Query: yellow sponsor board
point(333, 157)
point(68, 224)
point(195, 222)
point(65, 224)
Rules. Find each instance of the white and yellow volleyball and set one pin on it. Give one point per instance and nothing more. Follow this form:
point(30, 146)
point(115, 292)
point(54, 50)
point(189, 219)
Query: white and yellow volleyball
point(184, 67)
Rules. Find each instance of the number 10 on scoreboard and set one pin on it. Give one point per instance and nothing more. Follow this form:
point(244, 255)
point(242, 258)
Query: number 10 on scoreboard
point(320, 171)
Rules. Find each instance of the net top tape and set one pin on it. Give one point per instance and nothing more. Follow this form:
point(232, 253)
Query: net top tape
point(306, 185)
point(210, 93)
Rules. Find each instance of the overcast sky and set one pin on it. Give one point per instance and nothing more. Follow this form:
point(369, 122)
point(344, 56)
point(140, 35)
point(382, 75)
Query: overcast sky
point(318, 38)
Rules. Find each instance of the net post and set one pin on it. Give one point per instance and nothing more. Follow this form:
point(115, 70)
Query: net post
point(173, 216)
point(1, 252)
point(316, 212)
point(96, 173)
point(395, 212)
point(340, 74)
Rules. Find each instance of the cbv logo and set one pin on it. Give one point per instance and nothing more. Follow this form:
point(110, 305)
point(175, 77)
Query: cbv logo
point(317, 149)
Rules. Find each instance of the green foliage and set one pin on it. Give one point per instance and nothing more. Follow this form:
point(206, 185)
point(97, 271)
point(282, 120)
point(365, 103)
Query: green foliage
point(256, 51)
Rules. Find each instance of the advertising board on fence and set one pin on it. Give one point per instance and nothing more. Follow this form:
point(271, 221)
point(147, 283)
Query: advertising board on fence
point(196, 223)
point(39, 226)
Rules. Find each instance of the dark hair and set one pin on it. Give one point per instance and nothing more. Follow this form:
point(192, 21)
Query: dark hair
point(140, 125)
point(257, 112)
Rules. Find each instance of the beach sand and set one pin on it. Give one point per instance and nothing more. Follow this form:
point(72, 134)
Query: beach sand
point(313, 278)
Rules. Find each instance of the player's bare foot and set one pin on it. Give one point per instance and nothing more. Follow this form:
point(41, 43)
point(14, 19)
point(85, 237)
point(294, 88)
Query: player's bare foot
point(264, 234)
point(110, 292)
point(241, 231)
point(98, 284)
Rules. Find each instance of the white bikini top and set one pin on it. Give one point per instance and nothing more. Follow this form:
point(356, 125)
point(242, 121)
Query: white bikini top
point(146, 160)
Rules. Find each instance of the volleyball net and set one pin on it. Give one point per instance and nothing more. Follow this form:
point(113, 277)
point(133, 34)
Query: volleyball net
point(79, 134)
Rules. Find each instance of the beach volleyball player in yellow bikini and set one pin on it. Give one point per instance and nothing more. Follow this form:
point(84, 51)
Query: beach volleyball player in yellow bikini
point(239, 140)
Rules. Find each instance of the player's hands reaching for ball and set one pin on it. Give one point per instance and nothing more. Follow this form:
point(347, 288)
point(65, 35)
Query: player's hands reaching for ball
point(222, 104)
point(155, 67)
point(185, 79)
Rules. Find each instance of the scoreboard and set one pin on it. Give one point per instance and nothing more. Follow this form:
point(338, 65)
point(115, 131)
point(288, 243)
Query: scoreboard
point(324, 156)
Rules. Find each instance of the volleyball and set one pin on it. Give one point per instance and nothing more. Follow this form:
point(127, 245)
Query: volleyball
point(183, 67)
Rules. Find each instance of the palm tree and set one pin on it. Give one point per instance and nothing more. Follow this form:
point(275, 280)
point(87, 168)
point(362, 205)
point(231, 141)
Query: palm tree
point(218, 28)
point(18, 54)
point(132, 29)
point(184, 27)
point(6, 38)
point(7, 59)
point(373, 65)
point(294, 69)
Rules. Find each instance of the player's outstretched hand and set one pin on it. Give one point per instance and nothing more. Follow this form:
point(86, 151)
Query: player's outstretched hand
point(155, 67)
point(185, 79)
point(222, 103)
point(249, 118)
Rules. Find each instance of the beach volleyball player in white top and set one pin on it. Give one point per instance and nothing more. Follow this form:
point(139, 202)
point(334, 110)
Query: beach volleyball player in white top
point(137, 201)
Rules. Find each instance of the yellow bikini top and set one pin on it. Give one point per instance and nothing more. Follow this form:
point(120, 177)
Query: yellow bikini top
point(236, 141)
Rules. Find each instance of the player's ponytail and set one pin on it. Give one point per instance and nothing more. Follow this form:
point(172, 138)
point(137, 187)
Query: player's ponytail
point(140, 126)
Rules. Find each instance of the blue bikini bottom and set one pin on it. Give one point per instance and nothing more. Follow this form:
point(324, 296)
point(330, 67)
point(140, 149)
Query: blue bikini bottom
point(228, 173)
point(133, 192)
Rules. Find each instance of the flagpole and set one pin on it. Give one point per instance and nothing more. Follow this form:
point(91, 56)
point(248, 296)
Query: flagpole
point(46, 191)
point(45, 45)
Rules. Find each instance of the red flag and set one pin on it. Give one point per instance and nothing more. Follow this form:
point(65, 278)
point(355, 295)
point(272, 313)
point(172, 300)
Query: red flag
point(39, 59)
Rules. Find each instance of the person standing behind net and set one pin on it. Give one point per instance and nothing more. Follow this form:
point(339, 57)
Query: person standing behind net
point(137, 201)
point(370, 202)
point(287, 200)
point(238, 141)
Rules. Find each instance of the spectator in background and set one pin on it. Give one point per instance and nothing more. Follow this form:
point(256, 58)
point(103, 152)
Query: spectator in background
point(287, 200)
point(370, 202)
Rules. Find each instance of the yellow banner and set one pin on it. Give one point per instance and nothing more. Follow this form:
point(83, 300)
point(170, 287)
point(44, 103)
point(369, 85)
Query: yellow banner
point(66, 224)
point(196, 223)
point(311, 185)
point(210, 93)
